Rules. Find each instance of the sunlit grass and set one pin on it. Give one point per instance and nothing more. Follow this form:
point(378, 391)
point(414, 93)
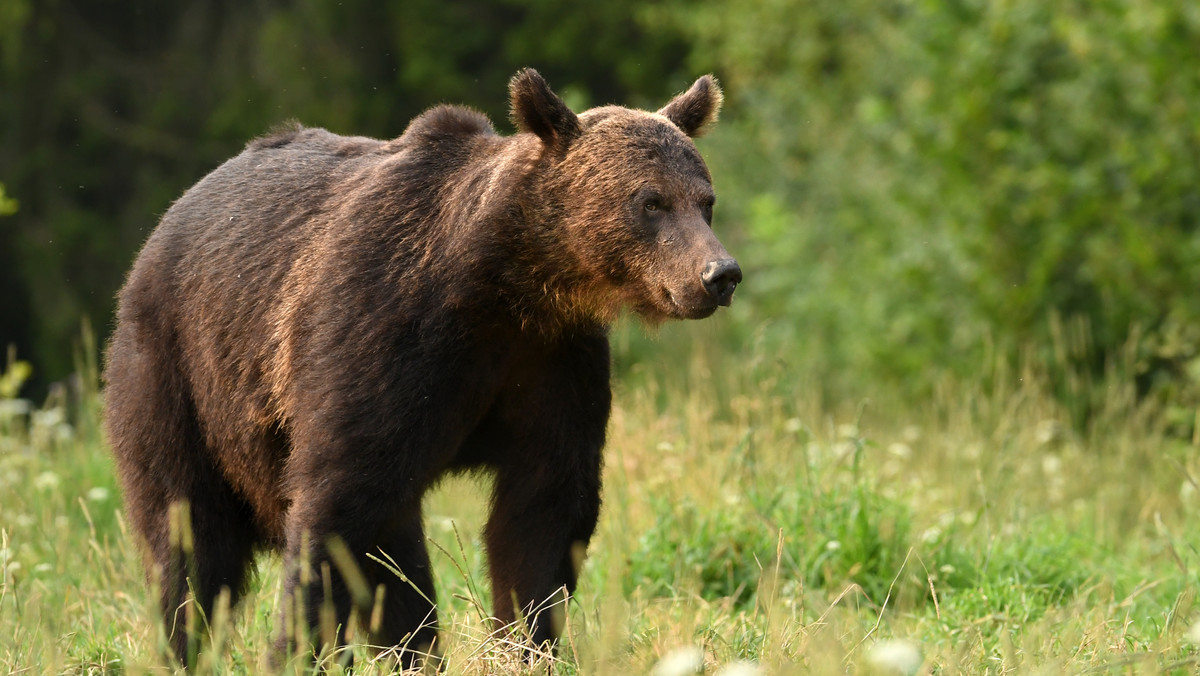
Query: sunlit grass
point(748, 527)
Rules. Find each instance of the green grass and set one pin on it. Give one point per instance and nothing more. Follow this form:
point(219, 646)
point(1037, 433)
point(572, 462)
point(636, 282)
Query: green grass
point(743, 517)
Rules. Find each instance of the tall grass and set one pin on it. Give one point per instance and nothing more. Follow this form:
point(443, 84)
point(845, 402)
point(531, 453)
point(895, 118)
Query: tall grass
point(748, 525)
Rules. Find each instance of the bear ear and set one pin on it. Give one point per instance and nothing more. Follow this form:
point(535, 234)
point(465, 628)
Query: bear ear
point(695, 109)
point(537, 109)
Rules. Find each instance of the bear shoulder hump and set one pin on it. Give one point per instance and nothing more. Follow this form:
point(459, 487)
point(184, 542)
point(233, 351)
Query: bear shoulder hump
point(278, 137)
point(448, 121)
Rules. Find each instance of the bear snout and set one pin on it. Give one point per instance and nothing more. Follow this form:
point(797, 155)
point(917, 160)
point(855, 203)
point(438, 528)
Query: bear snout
point(720, 279)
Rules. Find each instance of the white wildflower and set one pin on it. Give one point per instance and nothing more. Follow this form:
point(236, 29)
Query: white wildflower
point(14, 408)
point(1048, 431)
point(63, 433)
point(1187, 492)
point(46, 481)
point(680, 662)
point(843, 449)
point(49, 418)
point(1051, 465)
point(847, 431)
point(911, 434)
point(895, 657)
point(1193, 634)
point(97, 494)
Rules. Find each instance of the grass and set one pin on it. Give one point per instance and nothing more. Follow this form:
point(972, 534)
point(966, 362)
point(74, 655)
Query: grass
point(747, 524)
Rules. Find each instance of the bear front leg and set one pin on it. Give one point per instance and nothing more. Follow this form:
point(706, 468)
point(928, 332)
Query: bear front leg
point(545, 440)
point(332, 577)
point(408, 620)
point(536, 537)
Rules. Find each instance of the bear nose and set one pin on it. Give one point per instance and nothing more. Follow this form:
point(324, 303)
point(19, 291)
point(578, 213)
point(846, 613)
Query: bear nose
point(720, 279)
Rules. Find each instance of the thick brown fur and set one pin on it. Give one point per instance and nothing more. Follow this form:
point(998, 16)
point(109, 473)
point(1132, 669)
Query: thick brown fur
point(323, 326)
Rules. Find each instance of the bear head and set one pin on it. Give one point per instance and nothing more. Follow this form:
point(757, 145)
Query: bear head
point(630, 201)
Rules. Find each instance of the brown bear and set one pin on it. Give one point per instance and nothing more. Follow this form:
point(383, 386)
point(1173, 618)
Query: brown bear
point(325, 325)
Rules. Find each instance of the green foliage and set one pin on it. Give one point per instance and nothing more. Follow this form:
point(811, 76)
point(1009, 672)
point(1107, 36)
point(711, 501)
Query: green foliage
point(917, 179)
point(15, 374)
point(795, 538)
point(715, 549)
point(8, 205)
point(724, 549)
point(14, 17)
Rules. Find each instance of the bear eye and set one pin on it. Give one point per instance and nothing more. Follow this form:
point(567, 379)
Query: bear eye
point(652, 205)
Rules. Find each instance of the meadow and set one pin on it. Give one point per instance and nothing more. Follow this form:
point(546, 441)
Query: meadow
point(749, 528)
point(950, 425)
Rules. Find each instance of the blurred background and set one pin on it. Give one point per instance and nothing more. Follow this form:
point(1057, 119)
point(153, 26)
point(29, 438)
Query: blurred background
point(913, 187)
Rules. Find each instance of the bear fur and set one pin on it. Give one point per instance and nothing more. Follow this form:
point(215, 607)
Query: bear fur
point(324, 325)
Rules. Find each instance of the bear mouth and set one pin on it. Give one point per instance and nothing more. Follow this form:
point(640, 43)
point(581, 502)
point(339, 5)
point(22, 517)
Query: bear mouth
point(681, 310)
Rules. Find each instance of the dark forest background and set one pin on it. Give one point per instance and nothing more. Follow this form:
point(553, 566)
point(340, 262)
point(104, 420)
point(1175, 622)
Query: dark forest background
point(913, 186)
